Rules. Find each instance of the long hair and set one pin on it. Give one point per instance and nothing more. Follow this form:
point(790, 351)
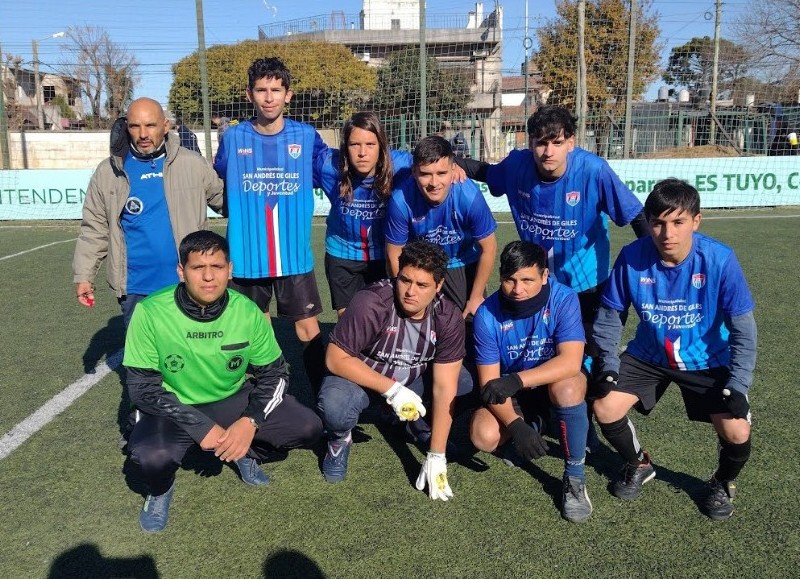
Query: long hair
point(382, 183)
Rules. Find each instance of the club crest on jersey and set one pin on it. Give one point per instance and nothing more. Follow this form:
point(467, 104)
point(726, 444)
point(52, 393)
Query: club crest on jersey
point(546, 316)
point(433, 337)
point(573, 197)
point(295, 150)
point(698, 280)
point(134, 205)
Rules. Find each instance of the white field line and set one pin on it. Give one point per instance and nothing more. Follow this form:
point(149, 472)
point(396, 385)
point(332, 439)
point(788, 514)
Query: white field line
point(56, 405)
point(35, 249)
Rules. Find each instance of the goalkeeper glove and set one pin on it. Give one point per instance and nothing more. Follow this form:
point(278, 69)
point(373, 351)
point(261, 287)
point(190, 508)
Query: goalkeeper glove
point(737, 402)
point(498, 389)
point(434, 474)
point(528, 443)
point(601, 384)
point(405, 402)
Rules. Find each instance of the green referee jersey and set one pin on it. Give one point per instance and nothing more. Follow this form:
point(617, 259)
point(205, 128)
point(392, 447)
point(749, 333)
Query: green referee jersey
point(200, 361)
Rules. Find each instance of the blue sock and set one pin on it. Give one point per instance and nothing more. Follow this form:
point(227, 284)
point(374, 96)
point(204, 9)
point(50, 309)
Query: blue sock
point(573, 424)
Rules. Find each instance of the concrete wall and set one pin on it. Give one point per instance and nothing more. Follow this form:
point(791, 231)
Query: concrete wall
point(82, 149)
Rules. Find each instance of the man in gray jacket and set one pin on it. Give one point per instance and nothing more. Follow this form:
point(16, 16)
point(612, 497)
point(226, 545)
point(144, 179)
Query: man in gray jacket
point(140, 203)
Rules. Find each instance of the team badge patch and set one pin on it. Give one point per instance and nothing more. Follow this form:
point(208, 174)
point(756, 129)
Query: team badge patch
point(698, 280)
point(134, 205)
point(573, 197)
point(295, 150)
point(235, 363)
point(433, 337)
point(546, 316)
point(174, 363)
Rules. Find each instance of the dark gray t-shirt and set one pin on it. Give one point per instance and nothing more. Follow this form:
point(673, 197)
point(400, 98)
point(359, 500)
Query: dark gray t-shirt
point(375, 331)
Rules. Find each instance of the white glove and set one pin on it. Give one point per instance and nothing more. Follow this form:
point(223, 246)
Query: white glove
point(405, 402)
point(434, 474)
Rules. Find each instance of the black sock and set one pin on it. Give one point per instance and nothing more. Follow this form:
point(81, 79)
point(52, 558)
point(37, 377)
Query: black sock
point(732, 458)
point(622, 436)
point(314, 362)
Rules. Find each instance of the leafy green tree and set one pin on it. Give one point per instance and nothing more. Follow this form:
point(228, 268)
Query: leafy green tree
point(328, 82)
point(398, 90)
point(606, 53)
point(690, 65)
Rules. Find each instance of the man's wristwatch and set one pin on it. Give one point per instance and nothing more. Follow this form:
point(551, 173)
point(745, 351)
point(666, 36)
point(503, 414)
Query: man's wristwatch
point(253, 422)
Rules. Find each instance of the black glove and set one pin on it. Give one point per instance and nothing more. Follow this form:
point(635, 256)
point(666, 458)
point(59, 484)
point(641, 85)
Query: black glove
point(737, 403)
point(497, 390)
point(528, 443)
point(600, 385)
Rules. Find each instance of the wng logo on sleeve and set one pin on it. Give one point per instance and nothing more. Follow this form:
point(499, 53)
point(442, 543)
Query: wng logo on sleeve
point(295, 150)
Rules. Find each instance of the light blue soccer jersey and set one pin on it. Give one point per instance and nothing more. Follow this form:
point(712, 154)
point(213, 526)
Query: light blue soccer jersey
point(355, 229)
point(455, 225)
point(269, 197)
point(681, 309)
point(521, 344)
point(569, 216)
point(152, 257)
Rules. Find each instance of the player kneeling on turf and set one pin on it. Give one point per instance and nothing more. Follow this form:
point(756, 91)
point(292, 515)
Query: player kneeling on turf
point(400, 339)
point(529, 335)
point(696, 329)
point(187, 349)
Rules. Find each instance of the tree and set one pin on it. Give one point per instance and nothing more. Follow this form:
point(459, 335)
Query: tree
point(328, 82)
point(606, 55)
point(691, 65)
point(399, 85)
point(105, 71)
point(771, 31)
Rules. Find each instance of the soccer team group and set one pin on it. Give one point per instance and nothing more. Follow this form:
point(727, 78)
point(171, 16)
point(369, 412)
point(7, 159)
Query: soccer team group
point(409, 250)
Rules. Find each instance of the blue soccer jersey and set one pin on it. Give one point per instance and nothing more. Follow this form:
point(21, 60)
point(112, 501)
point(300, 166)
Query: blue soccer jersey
point(355, 228)
point(681, 309)
point(455, 225)
point(521, 344)
point(270, 198)
point(569, 216)
point(152, 259)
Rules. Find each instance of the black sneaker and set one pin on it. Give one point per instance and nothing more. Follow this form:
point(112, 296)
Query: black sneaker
point(719, 502)
point(576, 506)
point(633, 477)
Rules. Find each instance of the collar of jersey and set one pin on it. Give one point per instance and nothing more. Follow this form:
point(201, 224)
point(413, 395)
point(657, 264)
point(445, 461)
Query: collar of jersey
point(194, 310)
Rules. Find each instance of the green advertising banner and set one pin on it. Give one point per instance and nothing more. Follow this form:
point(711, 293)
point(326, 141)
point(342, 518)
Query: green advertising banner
point(722, 182)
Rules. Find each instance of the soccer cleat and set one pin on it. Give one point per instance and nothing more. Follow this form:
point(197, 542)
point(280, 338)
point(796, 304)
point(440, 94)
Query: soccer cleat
point(334, 465)
point(155, 511)
point(251, 473)
point(719, 501)
point(576, 506)
point(633, 477)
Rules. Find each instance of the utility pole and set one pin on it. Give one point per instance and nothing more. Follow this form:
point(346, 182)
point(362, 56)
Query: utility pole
point(423, 74)
point(38, 84)
point(3, 118)
point(712, 135)
point(629, 89)
point(201, 52)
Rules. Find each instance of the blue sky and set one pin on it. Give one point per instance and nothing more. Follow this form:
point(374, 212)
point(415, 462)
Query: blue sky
point(159, 33)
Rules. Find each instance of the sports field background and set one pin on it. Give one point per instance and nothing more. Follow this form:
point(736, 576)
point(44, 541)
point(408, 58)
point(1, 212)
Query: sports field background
point(69, 508)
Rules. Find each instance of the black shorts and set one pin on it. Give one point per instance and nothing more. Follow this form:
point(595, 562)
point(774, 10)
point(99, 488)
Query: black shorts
point(532, 402)
point(701, 389)
point(297, 295)
point(458, 284)
point(590, 303)
point(347, 276)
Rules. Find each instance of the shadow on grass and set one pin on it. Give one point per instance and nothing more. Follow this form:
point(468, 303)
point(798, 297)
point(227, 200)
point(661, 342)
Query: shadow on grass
point(680, 482)
point(288, 564)
point(86, 561)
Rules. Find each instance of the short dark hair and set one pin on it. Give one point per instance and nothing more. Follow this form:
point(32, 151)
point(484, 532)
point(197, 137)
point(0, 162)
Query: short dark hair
point(547, 123)
point(268, 68)
point(203, 241)
point(521, 254)
point(431, 149)
point(382, 182)
point(425, 255)
point(671, 195)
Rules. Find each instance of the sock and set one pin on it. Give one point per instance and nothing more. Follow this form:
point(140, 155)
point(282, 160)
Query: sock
point(732, 458)
point(573, 424)
point(622, 436)
point(314, 362)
